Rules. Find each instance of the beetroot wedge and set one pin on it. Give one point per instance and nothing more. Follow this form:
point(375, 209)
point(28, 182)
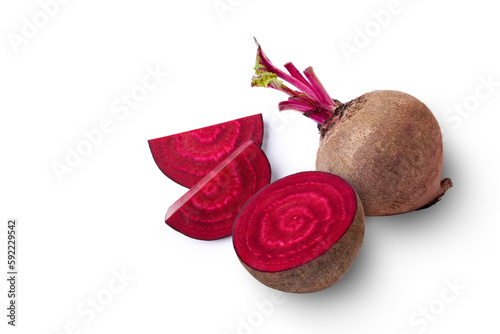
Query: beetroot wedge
point(188, 156)
point(301, 233)
point(208, 210)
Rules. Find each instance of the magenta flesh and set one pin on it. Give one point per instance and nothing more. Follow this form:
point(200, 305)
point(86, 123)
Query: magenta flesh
point(208, 210)
point(188, 156)
point(293, 221)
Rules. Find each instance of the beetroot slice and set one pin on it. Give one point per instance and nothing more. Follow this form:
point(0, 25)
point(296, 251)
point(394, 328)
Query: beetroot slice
point(208, 210)
point(188, 156)
point(300, 233)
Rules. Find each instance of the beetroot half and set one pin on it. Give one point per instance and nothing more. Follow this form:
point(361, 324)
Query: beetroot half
point(301, 233)
point(188, 156)
point(386, 144)
point(208, 210)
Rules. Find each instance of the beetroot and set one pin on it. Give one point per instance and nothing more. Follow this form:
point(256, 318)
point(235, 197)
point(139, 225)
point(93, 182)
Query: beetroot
point(386, 144)
point(208, 210)
point(301, 233)
point(187, 157)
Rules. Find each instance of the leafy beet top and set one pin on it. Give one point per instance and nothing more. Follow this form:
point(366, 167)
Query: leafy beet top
point(208, 210)
point(188, 156)
point(293, 221)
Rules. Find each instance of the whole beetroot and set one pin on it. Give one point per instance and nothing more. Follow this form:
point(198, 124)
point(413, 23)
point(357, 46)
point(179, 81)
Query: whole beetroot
point(386, 144)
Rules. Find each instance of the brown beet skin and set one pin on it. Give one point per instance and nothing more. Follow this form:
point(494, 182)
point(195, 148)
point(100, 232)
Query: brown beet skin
point(388, 146)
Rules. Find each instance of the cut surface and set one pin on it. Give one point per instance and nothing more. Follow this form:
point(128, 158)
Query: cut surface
point(188, 156)
point(293, 221)
point(208, 210)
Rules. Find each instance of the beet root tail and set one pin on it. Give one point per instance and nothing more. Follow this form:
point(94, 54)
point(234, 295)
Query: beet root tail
point(445, 185)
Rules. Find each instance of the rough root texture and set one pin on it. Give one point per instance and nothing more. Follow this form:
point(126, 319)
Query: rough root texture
point(388, 146)
point(302, 233)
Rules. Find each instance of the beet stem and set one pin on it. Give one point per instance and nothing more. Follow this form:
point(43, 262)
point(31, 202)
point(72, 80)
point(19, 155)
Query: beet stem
point(264, 66)
point(313, 79)
point(311, 99)
point(295, 73)
point(294, 105)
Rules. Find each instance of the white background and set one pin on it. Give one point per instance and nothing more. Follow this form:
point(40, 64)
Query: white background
point(105, 217)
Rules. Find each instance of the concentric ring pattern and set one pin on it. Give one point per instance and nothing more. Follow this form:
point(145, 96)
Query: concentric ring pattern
point(293, 221)
point(208, 210)
point(188, 156)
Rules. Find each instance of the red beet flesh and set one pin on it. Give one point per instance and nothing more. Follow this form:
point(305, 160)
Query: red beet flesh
point(288, 235)
point(188, 156)
point(208, 210)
